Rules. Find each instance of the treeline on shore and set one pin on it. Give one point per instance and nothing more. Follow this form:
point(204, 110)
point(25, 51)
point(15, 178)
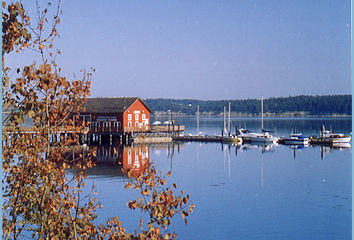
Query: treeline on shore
point(302, 105)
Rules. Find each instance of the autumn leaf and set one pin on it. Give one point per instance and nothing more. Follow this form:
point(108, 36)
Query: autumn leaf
point(128, 185)
point(31, 113)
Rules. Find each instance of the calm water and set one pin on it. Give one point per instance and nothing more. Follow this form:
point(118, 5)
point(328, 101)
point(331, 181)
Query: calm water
point(247, 192)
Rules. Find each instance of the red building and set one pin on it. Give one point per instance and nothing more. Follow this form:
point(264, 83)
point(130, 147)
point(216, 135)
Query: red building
point(124, 114)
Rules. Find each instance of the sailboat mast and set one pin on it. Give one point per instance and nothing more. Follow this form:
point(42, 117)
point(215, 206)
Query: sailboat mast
point(262, 111)
point(198, 120)
point(224, 119)
point(229, 126)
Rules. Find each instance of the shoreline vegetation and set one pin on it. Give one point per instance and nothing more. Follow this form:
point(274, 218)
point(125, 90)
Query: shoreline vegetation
point(244, 115)
point(297, 106)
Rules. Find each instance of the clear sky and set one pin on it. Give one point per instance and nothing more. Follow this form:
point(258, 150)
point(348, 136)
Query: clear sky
point(208, 49)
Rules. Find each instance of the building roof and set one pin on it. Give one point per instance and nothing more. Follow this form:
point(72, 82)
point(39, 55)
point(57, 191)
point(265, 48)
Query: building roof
point(110, 105)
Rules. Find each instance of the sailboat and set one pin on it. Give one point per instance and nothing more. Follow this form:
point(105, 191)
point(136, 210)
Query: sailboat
point(228, 136)
point(264, 137)
point(296, 139)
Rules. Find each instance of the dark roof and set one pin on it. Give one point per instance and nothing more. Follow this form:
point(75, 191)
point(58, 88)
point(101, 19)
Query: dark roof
point(110, 105)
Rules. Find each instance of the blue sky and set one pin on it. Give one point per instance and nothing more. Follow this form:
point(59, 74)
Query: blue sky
point(208, 49)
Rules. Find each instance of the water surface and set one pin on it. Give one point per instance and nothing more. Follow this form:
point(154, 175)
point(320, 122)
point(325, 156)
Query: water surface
point(245, 192)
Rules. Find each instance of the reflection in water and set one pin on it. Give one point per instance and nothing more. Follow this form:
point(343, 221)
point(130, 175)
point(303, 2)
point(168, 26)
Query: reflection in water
point(295, 148)
point(262, 171)
point(171, 148)
point(264, 147)
point(266, 186)
point(336, 146)
point(113, 160)
point(134, 158)
point(229, 161)
point(325, 149)
point(227, 151)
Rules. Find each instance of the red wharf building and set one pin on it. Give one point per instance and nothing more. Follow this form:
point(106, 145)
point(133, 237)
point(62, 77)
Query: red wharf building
point(123, 114)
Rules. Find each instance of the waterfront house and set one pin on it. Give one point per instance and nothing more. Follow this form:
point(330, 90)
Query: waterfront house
point(120, 114)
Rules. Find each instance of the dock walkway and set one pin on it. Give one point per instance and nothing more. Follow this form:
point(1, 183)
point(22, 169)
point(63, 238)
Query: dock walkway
point(196, 138)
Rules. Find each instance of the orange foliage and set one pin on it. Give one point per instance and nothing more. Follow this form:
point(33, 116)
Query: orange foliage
point(40, 201)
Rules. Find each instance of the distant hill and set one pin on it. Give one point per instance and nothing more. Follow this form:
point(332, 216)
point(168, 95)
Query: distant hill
point(289, 106)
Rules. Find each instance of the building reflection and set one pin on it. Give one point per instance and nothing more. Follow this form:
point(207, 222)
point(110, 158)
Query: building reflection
point(131, 158)
point(115, 160)
point(111, 160)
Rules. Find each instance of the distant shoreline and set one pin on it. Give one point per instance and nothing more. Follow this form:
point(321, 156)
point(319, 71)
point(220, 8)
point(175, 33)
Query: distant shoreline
point(266, 115)
point(297, 106)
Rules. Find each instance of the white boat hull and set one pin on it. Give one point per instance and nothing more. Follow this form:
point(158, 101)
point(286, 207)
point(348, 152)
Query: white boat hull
point(341, 139)
point(260, 139)
point(296, 141)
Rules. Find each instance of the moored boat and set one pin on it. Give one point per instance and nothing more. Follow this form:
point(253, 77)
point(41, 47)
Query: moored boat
point(264, 137)
point(336, 137)
point(328, 137)
point(296, 139)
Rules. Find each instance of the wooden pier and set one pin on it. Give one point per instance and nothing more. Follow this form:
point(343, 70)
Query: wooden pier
point(196, 138)
point(200, 138)
point(97, 135)
point(167, 128)
point(320, 141)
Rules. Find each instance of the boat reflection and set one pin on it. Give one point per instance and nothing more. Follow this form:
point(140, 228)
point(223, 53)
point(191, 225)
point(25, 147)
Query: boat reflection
point(296, 148)
point(326, 149)
point(113, 160)
point(170, 148)
point(264, 147)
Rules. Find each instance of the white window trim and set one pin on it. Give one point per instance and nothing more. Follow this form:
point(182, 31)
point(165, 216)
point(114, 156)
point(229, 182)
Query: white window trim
point(129, 157)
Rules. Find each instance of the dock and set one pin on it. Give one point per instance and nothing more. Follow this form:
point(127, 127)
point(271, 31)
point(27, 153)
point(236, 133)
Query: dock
point(196, 138)
point(152, 138)
point(167, 128)
point(200, 138)
point(319, 140)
